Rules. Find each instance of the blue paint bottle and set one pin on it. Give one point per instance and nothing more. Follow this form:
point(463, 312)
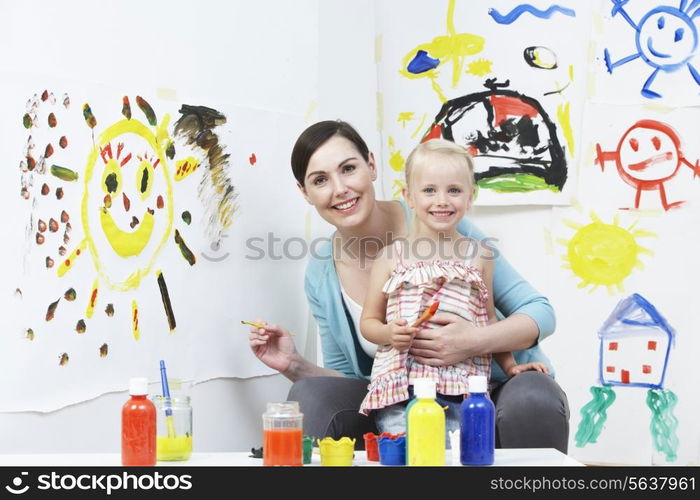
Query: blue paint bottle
point(477, 425)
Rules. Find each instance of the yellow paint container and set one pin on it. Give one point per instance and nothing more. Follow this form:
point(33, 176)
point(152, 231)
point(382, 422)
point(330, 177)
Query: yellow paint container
point(336, 453)
point(170, 449)
point(174, 428)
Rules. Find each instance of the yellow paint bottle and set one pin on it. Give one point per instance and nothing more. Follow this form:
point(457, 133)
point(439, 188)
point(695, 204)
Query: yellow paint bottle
point(426, 427)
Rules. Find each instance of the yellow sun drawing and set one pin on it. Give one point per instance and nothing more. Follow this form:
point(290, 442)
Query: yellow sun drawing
point(603, 254)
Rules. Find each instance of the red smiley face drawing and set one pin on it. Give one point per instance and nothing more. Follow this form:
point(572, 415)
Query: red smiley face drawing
point(648, 154)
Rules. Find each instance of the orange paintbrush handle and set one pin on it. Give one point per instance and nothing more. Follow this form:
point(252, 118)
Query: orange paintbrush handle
point(427, 314)
point(256, 325)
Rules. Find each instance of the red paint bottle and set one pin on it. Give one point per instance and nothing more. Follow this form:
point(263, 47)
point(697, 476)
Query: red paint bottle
point(138, 426)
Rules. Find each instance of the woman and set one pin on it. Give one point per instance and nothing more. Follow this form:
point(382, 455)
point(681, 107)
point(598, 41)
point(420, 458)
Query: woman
point(334, 171)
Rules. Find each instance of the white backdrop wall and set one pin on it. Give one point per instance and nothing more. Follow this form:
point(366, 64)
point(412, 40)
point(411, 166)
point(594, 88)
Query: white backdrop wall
point(267, 60)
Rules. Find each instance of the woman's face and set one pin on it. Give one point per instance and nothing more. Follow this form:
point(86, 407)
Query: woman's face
point(338, 183)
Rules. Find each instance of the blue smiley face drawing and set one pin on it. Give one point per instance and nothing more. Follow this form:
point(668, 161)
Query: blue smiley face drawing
point(667, 38)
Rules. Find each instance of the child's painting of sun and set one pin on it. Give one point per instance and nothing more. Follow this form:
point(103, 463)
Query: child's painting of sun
point(603, 254)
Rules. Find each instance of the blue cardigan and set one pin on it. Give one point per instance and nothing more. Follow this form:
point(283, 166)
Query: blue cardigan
point(341, 349)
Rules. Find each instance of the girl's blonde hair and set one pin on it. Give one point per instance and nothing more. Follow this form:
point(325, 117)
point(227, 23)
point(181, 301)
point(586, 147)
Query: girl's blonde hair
point(420, 154)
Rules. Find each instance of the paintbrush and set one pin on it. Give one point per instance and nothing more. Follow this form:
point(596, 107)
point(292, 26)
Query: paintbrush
point(427, 314)
point(258, 325)
point(166, 394)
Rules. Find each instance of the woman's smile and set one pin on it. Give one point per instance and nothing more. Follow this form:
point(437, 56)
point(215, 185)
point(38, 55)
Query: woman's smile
point(347, 206)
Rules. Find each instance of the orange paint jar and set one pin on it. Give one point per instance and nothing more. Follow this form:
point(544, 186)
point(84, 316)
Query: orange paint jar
point(282, 447)
point(138, 426)
point(282, 434)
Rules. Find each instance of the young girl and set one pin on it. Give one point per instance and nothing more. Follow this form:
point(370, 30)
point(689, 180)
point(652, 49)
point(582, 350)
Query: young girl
point(435, 263)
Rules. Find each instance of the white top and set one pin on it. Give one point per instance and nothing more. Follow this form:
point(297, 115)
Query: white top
point(477, 383)
point(355, 311)
point(138, 386)
point(424, 388)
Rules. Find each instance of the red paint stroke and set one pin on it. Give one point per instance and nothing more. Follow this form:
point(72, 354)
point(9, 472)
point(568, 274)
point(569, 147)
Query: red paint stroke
point(625, 377)
point(108, 201)
point(63, 142)
point(656, 142)
point(159, 202)
point(434, 133)
point(156, 163)
point(610, 369)
point(125, 160)
point(48, 151)
point(506, 106)
point(634, 144)
point(52, 120)
point(127, 203)
point(120, 146)
point(93, 298)
point(646, 369)
point(643, 165)
point(612, 346)
point(253, 159)
point(651, 345)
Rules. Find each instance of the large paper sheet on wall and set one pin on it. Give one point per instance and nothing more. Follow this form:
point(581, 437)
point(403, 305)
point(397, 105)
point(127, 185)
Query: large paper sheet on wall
point(503, 79)
point(140, 231)
point(622, 284)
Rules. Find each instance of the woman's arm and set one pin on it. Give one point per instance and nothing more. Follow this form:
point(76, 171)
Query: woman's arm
point(513, 294)
point(273, 345)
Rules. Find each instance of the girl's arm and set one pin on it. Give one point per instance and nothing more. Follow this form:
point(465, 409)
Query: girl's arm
point(373, 321)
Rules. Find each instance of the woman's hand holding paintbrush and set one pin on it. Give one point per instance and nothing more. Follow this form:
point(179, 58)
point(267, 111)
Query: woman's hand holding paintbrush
point(271, 344)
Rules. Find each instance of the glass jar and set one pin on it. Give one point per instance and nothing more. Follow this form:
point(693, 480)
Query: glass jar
point(174, 427)
point(282, 434)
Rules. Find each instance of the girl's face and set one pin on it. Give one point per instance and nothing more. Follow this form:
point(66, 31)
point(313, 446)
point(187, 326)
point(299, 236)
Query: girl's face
point(338, 183)
point(440, 192)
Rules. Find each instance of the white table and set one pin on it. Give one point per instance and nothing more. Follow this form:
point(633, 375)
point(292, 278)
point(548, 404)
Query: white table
point(513, 457)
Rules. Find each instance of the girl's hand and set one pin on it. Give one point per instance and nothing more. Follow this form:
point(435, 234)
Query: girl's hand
point(272, 345)
point(401, 334)
point(536, 366)
point(448, 344)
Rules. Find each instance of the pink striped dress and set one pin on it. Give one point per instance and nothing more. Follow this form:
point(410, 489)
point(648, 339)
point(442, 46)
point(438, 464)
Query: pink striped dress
point(460, 288)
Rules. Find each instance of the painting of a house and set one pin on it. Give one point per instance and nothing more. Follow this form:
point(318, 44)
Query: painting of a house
point(635, 342)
